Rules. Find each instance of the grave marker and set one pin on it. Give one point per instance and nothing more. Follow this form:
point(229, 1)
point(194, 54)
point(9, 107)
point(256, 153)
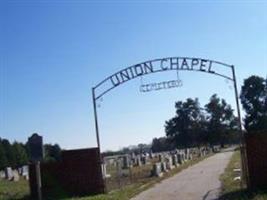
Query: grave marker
point(8, 173)
point(157, 170)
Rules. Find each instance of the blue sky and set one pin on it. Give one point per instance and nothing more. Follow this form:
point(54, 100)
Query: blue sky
point(53, 52)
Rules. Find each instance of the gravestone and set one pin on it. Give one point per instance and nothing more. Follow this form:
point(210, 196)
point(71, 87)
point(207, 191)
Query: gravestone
point(169, 163)
point(160, 158)
point(175, 160)
point(8, 173)
point(132, 155)
point(144, 160)
point(157, 170)
point(151, 155)
point(2, 174)
point(179, 158)
point(186, 151)
point(20, 171)
point(126, 162)
point(26, 176)
point(119, 168)
point(130, 162)
point(183, 157)
point(199, 152)
point(25, 170)
point(104, 171)
point(163, 167)
point(190, 156)
point(133, 161)
point(15, 176)
point(138, 161)
point(110, 161)
point(36, 147)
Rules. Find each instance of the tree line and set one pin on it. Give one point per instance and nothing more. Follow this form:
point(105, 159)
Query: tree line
point(215, 123)
point(17, 154)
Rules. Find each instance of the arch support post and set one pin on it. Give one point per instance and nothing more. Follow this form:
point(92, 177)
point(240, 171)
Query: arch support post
point(244, 172)
point(96, 121)
point(98, 140)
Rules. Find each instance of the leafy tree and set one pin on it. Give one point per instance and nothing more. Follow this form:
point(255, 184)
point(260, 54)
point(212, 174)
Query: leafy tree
point(9, 152)
point(52, 152)
point(162, 144)
point(3, 159)
point(27, 149)
point(185, 128)
point(221, 120)
point(254, 100)
point(21, 157)
point(194, 126)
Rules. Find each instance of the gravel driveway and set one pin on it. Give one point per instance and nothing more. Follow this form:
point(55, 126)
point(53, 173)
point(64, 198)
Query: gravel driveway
point(198, 182)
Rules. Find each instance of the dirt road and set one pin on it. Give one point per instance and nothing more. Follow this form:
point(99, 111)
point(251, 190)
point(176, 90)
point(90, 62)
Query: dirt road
point(198, 182)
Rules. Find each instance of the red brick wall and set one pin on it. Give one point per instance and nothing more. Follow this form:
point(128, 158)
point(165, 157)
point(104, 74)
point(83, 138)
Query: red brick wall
point(78, 173)
point(256, 147)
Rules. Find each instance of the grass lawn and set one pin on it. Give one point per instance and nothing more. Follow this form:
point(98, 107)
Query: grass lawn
point(13, 190)
point(232, 189)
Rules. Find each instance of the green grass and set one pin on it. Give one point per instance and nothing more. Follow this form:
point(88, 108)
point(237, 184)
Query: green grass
point(231, 190)
point(14, 190)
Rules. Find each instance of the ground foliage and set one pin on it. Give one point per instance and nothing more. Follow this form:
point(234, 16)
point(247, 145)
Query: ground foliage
point(10, 190)
point(231, 189)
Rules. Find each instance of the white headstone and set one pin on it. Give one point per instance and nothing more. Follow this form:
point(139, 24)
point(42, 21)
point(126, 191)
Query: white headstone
point(15, 176)
point(8, 173)
point(175, 160)
point(169, 163)
point(163, 167)
point(2, 174)
point(157, 170)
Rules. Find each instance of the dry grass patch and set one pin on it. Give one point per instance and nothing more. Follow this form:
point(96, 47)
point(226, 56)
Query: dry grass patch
point(231, 189)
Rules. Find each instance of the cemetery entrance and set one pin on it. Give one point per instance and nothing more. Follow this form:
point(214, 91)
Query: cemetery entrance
point(117, 165)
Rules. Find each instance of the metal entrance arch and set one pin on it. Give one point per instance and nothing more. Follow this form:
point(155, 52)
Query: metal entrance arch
point(167, 64)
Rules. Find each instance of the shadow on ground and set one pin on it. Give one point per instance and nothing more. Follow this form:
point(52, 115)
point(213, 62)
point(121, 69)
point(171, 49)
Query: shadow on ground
point(245, 195)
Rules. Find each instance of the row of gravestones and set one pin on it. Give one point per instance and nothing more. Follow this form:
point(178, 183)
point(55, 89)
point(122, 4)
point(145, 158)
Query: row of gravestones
point(125, 162)
point(14, 175)
point(167, 160)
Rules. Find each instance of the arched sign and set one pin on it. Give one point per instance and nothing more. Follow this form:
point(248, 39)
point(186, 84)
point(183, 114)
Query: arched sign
point(166, 64)
point(162, 65)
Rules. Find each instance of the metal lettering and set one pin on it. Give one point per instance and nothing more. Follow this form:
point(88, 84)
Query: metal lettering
point(164, 64)
point(158, 86)
point(161, 64)
point(148, 68)
point(210, 71)
point(194, 63)
point(161, 85)
point(115, 83)
point(147, 87)
point(202, 64)
point(174, 63)
point(184, 63)
point(124, 75)
point(141, 72)
point(164, 84)
point(131, 70)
